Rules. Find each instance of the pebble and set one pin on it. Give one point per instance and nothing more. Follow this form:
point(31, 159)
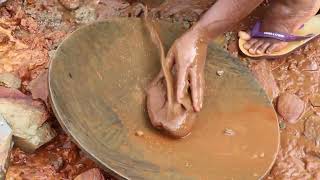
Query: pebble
point(282, 125)
point(70, 4)
point(229, 132)
point(139, 133)
point(220, 73)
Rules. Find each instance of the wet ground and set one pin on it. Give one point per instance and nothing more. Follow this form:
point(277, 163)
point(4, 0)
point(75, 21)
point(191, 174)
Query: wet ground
point(35, 28)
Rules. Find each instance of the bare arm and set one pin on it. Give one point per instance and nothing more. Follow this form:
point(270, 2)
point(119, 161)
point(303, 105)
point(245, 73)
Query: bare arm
point(223, 15)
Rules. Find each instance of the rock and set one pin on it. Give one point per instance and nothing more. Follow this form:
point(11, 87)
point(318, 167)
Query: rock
point(70, 4)
point(4, 38)
point(290, 107)
point(10, 80)
point(85, 14)
point(114, 8)
point(310, 66)
point(26, 118)
point(312, 129)
point(5, 146)
point(315, 100)
point(264, 76)
point(1, 2)
point(57, 164)
point(90, 174)
point(39, 87)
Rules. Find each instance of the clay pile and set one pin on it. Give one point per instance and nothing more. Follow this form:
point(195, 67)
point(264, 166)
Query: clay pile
point(164, 111)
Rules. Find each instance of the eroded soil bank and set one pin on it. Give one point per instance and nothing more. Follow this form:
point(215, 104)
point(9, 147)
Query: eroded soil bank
point(31, 30)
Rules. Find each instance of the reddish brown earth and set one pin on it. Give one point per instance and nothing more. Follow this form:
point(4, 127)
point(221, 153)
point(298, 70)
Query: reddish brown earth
point(31, 30)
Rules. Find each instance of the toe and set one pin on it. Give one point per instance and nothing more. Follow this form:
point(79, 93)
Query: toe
point(255, 46)
point(249, 43)
point(275, 47)
point(244, 35)
point(263, 47)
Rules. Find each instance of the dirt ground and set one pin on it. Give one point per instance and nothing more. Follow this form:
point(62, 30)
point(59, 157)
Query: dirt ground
point(36, 27)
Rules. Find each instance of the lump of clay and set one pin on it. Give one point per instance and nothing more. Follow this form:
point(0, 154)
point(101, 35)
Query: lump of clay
point(176, 119)
point(90, 174)
point(290, 107)
point(164, 111)
point(27, 118)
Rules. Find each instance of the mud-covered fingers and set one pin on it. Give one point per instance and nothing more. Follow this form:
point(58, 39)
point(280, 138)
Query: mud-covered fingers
point(197, 85)
point(181, 82)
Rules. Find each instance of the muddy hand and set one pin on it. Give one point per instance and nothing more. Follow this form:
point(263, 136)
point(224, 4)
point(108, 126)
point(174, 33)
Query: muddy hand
point(188, 54)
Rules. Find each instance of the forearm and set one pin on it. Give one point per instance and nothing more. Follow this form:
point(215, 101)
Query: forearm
point(222, 16)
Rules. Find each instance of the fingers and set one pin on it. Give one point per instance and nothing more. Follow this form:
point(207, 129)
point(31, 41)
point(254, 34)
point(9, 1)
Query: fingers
point(170, 58)
point(197, 84)
point(181, 82)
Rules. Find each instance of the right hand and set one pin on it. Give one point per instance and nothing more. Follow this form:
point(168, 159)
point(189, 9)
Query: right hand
point(188, 55)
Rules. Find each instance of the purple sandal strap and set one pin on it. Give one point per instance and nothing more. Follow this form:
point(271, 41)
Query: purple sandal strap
point(255, 33)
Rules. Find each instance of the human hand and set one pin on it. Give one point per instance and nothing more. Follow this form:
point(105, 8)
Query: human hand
point(187, 55)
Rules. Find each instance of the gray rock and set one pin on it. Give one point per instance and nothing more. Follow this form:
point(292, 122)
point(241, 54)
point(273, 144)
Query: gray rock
point(27, 119)
point(5, 146)
point(10, 80)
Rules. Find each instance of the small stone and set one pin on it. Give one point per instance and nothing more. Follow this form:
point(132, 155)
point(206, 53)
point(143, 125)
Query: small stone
point(10, 80)
point(90, 174)
point(229, 132)
point(5, 146)
point(315, 100)
point(139, 133)
point(310, 66)
point(57, 164)
point(282, 125)
point(290, 107)
point(220, 73)
point(254, 156)
point(39, 87)
point(261, 155)
point(70, 4)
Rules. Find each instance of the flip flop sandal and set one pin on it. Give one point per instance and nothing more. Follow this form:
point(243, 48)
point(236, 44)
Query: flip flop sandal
point(306, 33)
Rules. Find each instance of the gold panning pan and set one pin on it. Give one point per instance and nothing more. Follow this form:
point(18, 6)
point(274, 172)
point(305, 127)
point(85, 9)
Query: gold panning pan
point(97, 83)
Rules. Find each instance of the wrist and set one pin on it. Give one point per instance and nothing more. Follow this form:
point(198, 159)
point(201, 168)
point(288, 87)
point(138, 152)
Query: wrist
point(199, 32)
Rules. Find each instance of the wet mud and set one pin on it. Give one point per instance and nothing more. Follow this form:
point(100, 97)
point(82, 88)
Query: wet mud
point(31, 30)
point(164, 111)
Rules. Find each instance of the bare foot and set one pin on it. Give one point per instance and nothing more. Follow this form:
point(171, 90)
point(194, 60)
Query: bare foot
point(284, 16)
